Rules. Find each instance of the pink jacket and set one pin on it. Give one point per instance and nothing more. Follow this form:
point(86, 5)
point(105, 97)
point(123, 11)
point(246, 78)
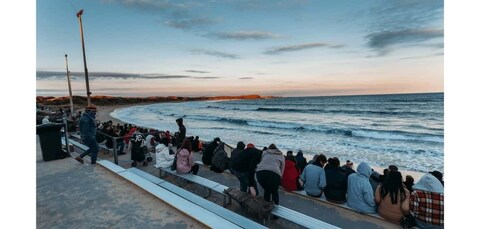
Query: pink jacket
point(184, 161)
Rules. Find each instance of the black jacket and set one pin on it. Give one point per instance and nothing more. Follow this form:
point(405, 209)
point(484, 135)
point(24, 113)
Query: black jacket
point(208, 153)
point(336, 184)
point(301, 161)
point(246, 161)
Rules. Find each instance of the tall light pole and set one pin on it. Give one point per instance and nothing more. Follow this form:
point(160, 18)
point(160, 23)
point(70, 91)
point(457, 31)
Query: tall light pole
point(69, 84)
point(79, 16)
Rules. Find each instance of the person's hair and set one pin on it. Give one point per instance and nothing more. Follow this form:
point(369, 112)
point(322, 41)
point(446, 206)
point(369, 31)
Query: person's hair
point(196, 137)
point(290, 158)
point(393, 186)
point(240, 145)
point(289, 152)
point(186, 144)
point(409, 179)
point(386, 171)
point(320, 158)
point(334, 162)
point(272, 146)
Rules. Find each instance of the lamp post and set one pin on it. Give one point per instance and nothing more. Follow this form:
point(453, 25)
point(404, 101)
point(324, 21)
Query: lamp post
point(79, 16)
point(69, 84)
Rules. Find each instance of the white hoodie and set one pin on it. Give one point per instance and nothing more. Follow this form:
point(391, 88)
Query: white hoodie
point(163, 157)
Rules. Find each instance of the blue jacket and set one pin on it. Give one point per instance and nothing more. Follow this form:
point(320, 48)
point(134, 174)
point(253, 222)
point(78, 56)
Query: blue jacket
point(314, 179)
point(359, 190)
point(87, 126)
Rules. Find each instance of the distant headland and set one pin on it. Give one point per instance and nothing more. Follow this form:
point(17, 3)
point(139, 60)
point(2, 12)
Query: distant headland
point(111, 100)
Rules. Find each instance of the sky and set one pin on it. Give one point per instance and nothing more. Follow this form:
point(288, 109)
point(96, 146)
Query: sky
point(230, 47)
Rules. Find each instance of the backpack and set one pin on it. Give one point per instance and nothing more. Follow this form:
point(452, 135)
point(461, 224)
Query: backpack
point(220, 160)
point(256, 206)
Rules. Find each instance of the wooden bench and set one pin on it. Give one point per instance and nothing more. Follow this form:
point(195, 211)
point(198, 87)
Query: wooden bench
point(196, 212)
point(209, 185)
point(217, 209)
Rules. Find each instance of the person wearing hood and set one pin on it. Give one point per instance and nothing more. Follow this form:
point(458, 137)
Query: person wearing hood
point(87, 133)
point(314, 177)
point(301, 161)
point(427, 202)
point(208, 153)
point(359, 190)
point(163, 157)
point(182, 132)
point(269, 172)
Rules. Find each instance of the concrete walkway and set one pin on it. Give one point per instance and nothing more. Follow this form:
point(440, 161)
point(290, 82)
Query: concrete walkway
point(71, 195)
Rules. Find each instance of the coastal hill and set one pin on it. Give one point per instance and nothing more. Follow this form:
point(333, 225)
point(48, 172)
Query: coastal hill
point(111, 100)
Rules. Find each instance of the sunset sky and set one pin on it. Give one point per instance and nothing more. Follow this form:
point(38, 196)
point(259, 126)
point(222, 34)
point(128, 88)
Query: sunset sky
point(230, 47)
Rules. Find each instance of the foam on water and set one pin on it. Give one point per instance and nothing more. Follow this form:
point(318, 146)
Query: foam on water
point(406, 130)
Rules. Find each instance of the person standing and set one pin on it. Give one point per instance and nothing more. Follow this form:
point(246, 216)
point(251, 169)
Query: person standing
point(270, 171)
point(87, 133)
point(243, 166)
point(182, 132)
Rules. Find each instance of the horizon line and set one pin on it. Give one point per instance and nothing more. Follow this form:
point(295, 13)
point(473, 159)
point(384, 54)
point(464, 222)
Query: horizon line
point(402, 93)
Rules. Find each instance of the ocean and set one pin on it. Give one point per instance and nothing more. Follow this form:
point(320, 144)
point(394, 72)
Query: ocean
point(402, 129)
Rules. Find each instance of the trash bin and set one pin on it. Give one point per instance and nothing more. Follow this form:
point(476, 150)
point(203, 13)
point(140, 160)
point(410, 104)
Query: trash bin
point(50, 141)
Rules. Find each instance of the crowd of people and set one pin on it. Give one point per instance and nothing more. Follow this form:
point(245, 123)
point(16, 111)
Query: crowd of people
point(363, 190)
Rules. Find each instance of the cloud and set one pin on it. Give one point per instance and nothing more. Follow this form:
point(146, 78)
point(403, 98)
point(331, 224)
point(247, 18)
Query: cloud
point(336, 46)
point(214, 53)
point(422, 57)
point(47, 75)
point(206, 77)
point(244, 35)
point(196, 71)
point(293, 48)
point(407, 14)
point(245, 78)
point(190, 23)
point(382, 42)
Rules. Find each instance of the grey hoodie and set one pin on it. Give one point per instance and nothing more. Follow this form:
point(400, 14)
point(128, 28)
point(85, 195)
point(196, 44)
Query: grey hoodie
point(359, 190)
point(429, 183)
point(272, 160)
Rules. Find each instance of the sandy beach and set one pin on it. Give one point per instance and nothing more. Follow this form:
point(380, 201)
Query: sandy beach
point(104, 112)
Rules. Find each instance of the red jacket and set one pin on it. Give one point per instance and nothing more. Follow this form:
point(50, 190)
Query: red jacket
point(290, 176)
